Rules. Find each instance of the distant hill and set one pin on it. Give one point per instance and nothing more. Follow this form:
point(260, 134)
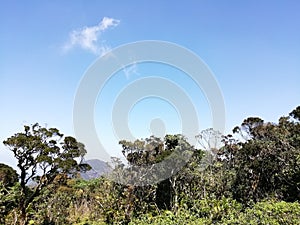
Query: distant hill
point(99, 168)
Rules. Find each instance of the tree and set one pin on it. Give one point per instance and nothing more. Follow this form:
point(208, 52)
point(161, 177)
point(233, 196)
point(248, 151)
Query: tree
point(153, 150)
point(266, 161)
point(43, 153)
point(8, 176)
point(210, 142)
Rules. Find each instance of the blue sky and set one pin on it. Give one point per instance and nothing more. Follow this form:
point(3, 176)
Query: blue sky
point(252, 47)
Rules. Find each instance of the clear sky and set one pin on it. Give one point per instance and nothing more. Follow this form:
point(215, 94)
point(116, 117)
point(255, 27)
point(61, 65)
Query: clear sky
point(252, 47)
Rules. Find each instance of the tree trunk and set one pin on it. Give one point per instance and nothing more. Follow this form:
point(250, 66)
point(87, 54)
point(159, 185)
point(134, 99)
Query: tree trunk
point(23, 216)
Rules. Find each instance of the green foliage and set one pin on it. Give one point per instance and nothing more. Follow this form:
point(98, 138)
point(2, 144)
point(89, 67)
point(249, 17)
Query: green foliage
point(8, 176)
point(253, 179)
point(214, 209)
point(8, 201)
point(8, 190)
point(271, 212)
point(169, 218)
point(267, 162)
point(227, 211)
point(142, 153)
point(42, 154)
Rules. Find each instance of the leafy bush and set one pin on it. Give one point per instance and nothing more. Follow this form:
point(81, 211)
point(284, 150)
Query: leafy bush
point(169, 218)
point(228, 212)
point(271, 212)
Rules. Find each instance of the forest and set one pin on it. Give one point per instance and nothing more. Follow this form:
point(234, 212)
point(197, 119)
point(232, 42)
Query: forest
point(252, 177)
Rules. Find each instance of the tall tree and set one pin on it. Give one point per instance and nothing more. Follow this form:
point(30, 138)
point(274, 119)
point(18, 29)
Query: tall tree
point(210, 142)
point(153, 150)
point(267, 159)
point(43, 153)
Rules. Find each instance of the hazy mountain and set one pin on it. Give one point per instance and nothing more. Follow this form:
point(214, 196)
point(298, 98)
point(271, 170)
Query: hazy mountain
point(99, 168)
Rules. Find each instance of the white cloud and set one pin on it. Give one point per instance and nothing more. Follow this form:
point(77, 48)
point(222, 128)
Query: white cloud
point(88, 38)
point(108, 22)
point(131, 70)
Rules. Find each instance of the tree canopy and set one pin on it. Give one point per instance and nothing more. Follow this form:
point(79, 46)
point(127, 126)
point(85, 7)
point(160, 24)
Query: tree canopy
point(8, 176)
point(42, 154)
point(250, 176)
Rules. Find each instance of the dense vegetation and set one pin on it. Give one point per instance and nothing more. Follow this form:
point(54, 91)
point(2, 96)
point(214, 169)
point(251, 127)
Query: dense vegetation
point(252, 178)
